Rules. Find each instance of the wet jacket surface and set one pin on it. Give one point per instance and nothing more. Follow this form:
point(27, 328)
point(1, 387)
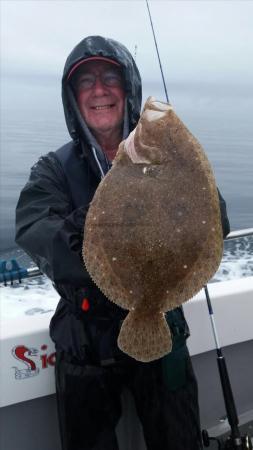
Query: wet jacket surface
point(50, 222)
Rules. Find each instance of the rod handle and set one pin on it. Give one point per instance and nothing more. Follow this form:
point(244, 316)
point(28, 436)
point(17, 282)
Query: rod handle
point(228, 397)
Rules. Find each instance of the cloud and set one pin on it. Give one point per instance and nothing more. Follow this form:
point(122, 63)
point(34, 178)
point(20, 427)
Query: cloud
point(200, 40)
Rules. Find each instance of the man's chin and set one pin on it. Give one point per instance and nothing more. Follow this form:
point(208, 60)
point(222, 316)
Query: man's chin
point(105, 127)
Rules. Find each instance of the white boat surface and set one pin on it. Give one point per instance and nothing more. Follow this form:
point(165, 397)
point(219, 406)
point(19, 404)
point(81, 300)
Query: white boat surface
point(27, 393)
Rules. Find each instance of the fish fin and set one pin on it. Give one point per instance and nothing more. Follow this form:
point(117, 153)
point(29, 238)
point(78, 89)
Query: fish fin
point(145, 337)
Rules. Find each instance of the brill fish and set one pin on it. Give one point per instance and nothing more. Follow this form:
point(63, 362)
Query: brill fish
point(153, 234)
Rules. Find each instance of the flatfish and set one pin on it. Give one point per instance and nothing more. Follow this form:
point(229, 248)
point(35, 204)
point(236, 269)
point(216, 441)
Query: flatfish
point(153, 235)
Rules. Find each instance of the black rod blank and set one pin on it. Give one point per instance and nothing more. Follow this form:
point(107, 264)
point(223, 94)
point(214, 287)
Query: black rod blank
point(157, 51)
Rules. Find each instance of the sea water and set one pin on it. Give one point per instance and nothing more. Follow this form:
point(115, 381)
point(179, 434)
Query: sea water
point(219, 115)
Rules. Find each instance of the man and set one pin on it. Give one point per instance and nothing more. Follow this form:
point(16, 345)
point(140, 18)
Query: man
point(101, 90)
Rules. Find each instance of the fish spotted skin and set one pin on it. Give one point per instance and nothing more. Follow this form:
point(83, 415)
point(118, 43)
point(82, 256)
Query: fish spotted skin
point(153, 234)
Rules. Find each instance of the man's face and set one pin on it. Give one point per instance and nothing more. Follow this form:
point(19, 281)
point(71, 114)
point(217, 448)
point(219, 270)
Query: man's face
point(100, 96)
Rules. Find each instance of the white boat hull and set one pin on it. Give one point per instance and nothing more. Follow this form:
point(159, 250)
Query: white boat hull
point(27, 369)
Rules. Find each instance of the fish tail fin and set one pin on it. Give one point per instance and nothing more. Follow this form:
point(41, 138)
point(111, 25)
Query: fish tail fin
point(145, 337)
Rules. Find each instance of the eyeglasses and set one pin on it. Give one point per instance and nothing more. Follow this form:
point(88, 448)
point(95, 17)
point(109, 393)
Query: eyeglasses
point(108, 78)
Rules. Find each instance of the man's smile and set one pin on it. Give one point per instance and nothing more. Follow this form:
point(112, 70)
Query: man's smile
point(102, 107)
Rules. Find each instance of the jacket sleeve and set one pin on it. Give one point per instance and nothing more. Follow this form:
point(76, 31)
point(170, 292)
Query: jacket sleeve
point(224, 217)
point(47, 228)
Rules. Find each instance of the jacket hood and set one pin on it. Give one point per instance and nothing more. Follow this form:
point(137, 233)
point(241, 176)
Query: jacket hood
point(107, 48)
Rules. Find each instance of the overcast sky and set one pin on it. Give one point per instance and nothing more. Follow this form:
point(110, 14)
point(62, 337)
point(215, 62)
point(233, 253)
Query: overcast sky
point(200, 40)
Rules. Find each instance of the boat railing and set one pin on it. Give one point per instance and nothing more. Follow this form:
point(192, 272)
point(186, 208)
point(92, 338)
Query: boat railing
point(11, 271)
point(239, 234)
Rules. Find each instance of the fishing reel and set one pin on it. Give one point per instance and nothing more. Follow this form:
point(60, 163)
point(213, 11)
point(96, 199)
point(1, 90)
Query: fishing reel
point(10, 271)
point(230, 443)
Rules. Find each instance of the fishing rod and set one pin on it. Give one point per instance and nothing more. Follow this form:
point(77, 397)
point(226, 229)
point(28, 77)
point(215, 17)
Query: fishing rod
point(157, 51)
point(235, 441)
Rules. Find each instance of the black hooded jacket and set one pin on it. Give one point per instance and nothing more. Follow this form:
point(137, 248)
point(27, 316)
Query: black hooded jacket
point(50, 219)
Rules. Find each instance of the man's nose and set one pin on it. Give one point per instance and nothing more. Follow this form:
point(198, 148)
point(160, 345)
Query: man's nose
point(99, 87)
